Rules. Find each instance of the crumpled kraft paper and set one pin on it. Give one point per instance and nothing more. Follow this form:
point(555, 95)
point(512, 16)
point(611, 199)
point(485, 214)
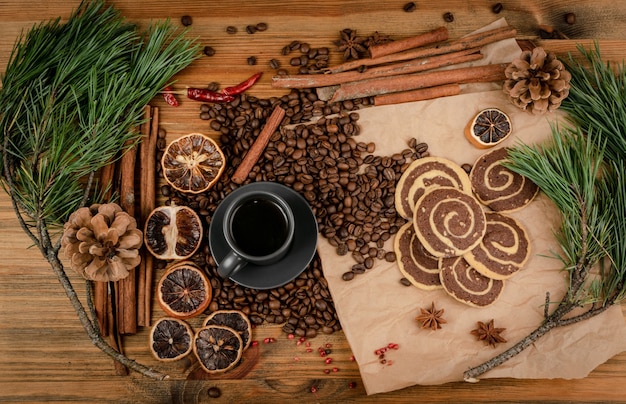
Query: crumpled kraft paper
point(375, 309)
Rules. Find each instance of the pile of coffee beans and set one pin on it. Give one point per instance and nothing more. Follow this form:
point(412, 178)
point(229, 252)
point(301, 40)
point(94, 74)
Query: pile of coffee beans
point(351, 190)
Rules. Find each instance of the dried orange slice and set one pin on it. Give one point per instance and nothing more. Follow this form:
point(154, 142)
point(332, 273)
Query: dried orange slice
point(218, 348)
point(234, 319)
point(488, 128)
point(170, 339)
point(173, 232)
point(184, 291)
point(193, 163)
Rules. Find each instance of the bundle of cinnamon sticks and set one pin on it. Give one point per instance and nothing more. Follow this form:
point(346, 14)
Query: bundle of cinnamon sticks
point(406, 70)
point(124, 305)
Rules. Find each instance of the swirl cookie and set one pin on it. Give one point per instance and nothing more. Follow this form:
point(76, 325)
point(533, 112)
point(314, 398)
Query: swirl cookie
point(504, 249)
point(416, 264)
point(448, 222)
point(499, 188)
point(423, 173)
point(467, 285)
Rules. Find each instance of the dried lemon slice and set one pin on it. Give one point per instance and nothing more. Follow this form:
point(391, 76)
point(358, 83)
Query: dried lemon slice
point(488, 128)
point(235, 319)
point(170, 339)
point(184, 291)
point(193, 163)
point(218, 348)
point(173, 232)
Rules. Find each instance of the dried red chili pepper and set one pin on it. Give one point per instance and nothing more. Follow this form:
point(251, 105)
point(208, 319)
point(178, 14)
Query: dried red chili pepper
point(206, 95)
point(169, 97)
point(243, 86)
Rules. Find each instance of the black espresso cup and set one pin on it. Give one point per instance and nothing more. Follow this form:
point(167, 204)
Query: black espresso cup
point(258, 228)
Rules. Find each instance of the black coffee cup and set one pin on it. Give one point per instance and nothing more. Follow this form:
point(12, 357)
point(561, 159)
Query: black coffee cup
point(258, 228)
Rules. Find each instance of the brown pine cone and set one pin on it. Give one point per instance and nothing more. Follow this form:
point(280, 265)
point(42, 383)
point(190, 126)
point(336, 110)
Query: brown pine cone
point(102, 242)
point(537, 81)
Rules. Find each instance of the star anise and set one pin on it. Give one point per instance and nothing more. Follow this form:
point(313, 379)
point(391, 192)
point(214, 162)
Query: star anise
point(350, 44)
point(377, 39)
point(488, 333)
point(431, 318)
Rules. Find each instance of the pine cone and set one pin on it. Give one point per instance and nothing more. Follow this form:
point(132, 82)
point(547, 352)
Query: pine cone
point(102, 242)
point(537, 81)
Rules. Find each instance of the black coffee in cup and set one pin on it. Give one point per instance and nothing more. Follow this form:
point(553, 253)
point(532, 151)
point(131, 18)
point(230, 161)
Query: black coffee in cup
point(259, 227)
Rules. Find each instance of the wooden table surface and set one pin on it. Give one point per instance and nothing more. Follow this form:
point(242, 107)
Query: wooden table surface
point(45, 354)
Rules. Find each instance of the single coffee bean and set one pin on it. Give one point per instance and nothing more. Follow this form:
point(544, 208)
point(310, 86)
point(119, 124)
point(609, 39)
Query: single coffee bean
point(448, 17)
point(274, 63)
point(410, 7)
point(405, 282)
point(251, 60)
point(497, 8)
point(251, 29)
point(231, 29)
point(186, 20)
point(262, 26)
point(570, 18)
point(208, 51)
point(347, 276)
point(214, 392)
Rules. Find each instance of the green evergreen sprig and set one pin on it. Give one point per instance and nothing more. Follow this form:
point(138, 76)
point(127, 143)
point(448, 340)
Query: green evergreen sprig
point(582, 169)
point(72, 97)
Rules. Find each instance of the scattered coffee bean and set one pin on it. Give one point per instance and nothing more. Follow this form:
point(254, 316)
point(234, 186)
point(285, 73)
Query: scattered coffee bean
point(251, 60)
point(213, 86)
point(405, 282)
point(497, 8)
point(570, 18)
point(410, 7)
point(214, 392)
point(347, 276)
point(274, 64)
point(262, 26)
point(208, 51)
point(251, 29)
point(448, 17)
point(231, 29)
point(186, 20)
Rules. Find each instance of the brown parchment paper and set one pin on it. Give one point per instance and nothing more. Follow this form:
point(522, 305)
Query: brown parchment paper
point(375, 309)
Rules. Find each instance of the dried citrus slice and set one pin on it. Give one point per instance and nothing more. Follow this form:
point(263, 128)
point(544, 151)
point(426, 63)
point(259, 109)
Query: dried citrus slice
point(193, 163)
point(218, 348)
point(184, 291)
point(173, 232)
point(488, 128)
point(234, 319)
point(170, 339)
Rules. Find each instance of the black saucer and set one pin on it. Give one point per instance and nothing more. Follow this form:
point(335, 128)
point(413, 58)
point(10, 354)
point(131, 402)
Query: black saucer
point(297, 259)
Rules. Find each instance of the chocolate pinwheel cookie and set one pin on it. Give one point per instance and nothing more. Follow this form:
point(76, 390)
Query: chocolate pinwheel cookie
point(497, 187)
point(448, 221)
point(504, 249)
point(424, 173)
point(464, 283)
point(416, 264)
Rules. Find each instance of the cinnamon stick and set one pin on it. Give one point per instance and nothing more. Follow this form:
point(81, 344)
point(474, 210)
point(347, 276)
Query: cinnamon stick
point(413, 66)
point(143, 194)
point(385, 85)
point(150, 203)
point(101, 290)
point(427, 38)
point(257, 148)
point(115, 340)
point(127, 297)
point(471, 41)
point(418, 95)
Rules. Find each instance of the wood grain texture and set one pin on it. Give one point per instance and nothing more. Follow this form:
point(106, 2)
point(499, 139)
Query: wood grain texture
point(46, 356)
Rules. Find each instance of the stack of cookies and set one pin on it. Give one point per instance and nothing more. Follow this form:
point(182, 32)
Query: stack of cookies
point(459, 237)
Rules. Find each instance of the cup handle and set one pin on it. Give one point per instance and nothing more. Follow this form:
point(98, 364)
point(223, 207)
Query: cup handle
point(230, 264)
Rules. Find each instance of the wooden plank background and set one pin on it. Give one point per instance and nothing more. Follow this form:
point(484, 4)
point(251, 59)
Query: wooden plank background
point(44, 353)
